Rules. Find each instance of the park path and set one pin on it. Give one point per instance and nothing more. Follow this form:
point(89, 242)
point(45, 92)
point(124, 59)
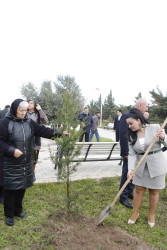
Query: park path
point(45, 171)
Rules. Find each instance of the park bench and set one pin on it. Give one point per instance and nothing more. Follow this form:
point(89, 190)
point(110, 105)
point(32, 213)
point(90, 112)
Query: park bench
point(95, 151)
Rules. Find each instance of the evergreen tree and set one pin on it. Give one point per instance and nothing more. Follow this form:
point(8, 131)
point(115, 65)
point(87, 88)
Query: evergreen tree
point(138, 96)
point(51, 98)
point(109, 107)
point(158, 110)
point(67, 83)
point(67, 145)
point(29, 91)
point(93, 107)
point(48, 101)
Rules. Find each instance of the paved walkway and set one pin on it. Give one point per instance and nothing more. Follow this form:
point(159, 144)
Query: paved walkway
point(45, 171)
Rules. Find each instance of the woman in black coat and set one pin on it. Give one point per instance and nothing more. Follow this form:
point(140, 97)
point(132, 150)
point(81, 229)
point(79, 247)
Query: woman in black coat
point(16, 147)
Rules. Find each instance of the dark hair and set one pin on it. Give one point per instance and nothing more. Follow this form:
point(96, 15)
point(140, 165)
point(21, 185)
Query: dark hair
point(97, 112)
point(135, 114)
point(7, 106)
point(36, 110)
point(120, 110)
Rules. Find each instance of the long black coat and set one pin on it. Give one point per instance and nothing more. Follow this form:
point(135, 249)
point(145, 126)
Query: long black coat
point(18, 134)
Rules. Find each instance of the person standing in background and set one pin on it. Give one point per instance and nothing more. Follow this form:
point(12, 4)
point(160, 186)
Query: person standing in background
point(2, 115)
point(94, 130)
point(86, 123)
point(36, 113)
point(4, 111)
point(117, 123)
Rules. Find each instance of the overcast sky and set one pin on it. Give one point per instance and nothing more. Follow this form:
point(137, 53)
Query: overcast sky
point(118, 45)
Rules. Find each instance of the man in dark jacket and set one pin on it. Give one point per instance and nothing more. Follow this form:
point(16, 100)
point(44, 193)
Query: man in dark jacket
point(16, 146)
point(4, 111)
point(117, 123)
point(86, 123)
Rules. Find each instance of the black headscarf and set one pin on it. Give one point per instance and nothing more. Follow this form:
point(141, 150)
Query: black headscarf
point(14, 106)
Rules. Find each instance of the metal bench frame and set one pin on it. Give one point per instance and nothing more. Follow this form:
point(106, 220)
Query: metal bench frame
point(89, 151)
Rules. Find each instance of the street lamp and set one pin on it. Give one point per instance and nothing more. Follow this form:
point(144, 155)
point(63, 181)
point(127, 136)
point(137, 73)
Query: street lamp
point(101, 109)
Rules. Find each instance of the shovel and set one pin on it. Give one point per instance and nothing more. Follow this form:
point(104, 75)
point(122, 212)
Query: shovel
point(107, 209)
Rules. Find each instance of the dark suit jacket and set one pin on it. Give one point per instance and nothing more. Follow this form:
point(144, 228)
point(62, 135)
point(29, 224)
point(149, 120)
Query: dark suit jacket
point(123, 135)
point(116, 123)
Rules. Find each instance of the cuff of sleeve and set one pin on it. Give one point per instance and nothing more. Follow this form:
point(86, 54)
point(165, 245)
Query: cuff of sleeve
point(11, 150)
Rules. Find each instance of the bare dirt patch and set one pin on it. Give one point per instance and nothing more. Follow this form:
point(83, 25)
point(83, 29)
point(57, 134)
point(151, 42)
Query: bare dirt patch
point(83, 233)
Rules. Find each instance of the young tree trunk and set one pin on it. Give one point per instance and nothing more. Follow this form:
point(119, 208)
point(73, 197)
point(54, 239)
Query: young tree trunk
point(68, 192)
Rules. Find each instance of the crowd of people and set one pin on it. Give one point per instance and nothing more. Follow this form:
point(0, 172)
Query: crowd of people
point(20, 132)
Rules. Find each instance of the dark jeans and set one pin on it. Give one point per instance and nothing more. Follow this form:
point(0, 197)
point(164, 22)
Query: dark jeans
point(96, 133)
point(130, 187)
point(86, 137)
point(13, 202)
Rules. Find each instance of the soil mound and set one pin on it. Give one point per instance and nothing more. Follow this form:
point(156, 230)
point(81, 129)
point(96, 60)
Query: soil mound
point(83, 233)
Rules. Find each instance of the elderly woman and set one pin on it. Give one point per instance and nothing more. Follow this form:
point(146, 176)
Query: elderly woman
point(16, 147)
point(151, 173)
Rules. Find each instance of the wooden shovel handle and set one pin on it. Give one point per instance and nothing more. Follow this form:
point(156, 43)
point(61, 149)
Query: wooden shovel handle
point(138, 165)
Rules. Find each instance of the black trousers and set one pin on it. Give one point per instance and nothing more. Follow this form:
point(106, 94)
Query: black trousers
point(128, 191)
point(1, 194)
point(35, 156)
point(86, 137)
point(117, 135)
point(13, 202)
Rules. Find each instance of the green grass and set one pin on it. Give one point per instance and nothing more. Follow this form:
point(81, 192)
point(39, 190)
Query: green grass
point(42, 200)
point(102, 139)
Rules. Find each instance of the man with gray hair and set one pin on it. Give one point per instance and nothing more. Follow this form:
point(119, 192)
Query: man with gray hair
point(142, 105)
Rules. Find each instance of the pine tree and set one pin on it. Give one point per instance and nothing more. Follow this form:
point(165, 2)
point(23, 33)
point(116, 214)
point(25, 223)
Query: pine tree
point(67, 145)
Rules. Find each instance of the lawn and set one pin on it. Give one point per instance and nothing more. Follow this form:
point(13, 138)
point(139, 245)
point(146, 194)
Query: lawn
point(91, 196)
point(102, 139)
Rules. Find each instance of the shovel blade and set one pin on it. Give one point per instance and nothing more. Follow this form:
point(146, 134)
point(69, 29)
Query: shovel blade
point(103, 214)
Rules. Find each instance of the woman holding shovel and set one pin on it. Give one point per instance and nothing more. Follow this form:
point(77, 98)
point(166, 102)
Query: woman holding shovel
point(151, 173)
